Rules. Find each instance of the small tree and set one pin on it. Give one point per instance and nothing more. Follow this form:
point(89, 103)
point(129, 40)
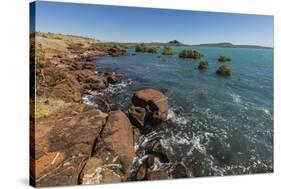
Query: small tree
point(203, 65)
point(190, 54)
point(168, 51)
point(224, 59)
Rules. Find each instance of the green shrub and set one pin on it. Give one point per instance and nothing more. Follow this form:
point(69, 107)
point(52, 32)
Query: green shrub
point(146, 48)
point(168, 51)
point(190, 54)
point(224, 59)
point(223, 70)
point(203, 65)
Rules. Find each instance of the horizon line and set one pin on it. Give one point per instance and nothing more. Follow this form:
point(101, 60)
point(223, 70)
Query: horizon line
point(134, 42)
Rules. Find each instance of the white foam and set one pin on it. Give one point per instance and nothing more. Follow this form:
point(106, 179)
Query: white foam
point(236, 98)
point(175, 118)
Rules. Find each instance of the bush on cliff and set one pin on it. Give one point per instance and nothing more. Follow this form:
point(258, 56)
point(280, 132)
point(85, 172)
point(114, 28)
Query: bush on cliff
point(168, 51)
point(223, 70)
point(224, 59)
point(146, 48)
point(203, 65)
point(190, 54)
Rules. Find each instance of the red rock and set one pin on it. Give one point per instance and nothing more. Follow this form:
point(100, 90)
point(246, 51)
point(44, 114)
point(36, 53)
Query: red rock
point(154, 100)
point(63, 142)
point(118, 137)
point(157, 175)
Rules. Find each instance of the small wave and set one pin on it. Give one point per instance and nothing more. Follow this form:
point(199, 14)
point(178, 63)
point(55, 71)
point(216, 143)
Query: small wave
point(266, 111)
point(236, 98)
point(119, 87)
point(176, 118)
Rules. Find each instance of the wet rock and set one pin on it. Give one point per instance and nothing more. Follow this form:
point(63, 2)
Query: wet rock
point(115, 107)
point(156, 148)
point(153, 101)
point(179, 171)
point(150, 160)
point(178, 110)
point(63, 142)
point(100, 102)
point(141, 173)
point(115, 51)
point(112, 77)
point(137, 116)
point(157, 175)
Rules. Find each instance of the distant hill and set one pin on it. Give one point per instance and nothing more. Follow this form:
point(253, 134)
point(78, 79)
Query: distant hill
point(230, 45)
point(175, 42)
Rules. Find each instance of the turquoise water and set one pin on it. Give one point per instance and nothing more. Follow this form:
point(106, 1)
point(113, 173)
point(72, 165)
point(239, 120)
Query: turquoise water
point(226, 124)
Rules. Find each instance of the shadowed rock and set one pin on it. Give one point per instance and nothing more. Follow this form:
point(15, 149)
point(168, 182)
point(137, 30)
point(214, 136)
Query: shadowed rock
point(137, 116)
point(157, 175)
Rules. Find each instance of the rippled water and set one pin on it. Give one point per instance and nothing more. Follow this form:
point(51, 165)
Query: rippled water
point(226, 126)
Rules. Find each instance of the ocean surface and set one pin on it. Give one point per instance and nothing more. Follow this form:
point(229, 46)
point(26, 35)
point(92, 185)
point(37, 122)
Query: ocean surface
point(221, 125)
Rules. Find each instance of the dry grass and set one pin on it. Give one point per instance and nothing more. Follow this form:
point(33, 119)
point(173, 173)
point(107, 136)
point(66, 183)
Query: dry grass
point(44, 107)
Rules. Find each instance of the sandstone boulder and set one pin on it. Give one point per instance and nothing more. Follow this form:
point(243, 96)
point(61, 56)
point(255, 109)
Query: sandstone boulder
point(137, 116)
point(63, 142)
point(96, 172)
point(90, 80)
point(154, 101)
point(117, 136)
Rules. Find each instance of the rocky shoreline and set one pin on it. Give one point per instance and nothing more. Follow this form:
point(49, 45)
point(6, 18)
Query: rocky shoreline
point(74, 143)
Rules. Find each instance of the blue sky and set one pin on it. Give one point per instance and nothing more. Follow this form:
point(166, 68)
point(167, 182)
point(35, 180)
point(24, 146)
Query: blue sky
point(131, 24)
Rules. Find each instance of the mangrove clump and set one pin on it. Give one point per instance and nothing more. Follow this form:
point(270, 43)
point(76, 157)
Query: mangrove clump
point(224, 59)
point(168, 51)
point(223, 71)
point(146, 48)
point(190, 54)
point(203, 65)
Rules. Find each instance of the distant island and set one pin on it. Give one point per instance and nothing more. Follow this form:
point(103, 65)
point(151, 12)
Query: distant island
point(230, 45)
point(177, 43)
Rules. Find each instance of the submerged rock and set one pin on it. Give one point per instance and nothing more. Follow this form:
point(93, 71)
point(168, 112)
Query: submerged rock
point(112, 77)
point(155, 148)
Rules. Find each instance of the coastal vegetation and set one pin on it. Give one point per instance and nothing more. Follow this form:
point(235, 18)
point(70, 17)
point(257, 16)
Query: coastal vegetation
point(146, 48)
point(190, 54)
point(223, 71)
point(224, 59)
point(203, 65)
point(168, 51)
